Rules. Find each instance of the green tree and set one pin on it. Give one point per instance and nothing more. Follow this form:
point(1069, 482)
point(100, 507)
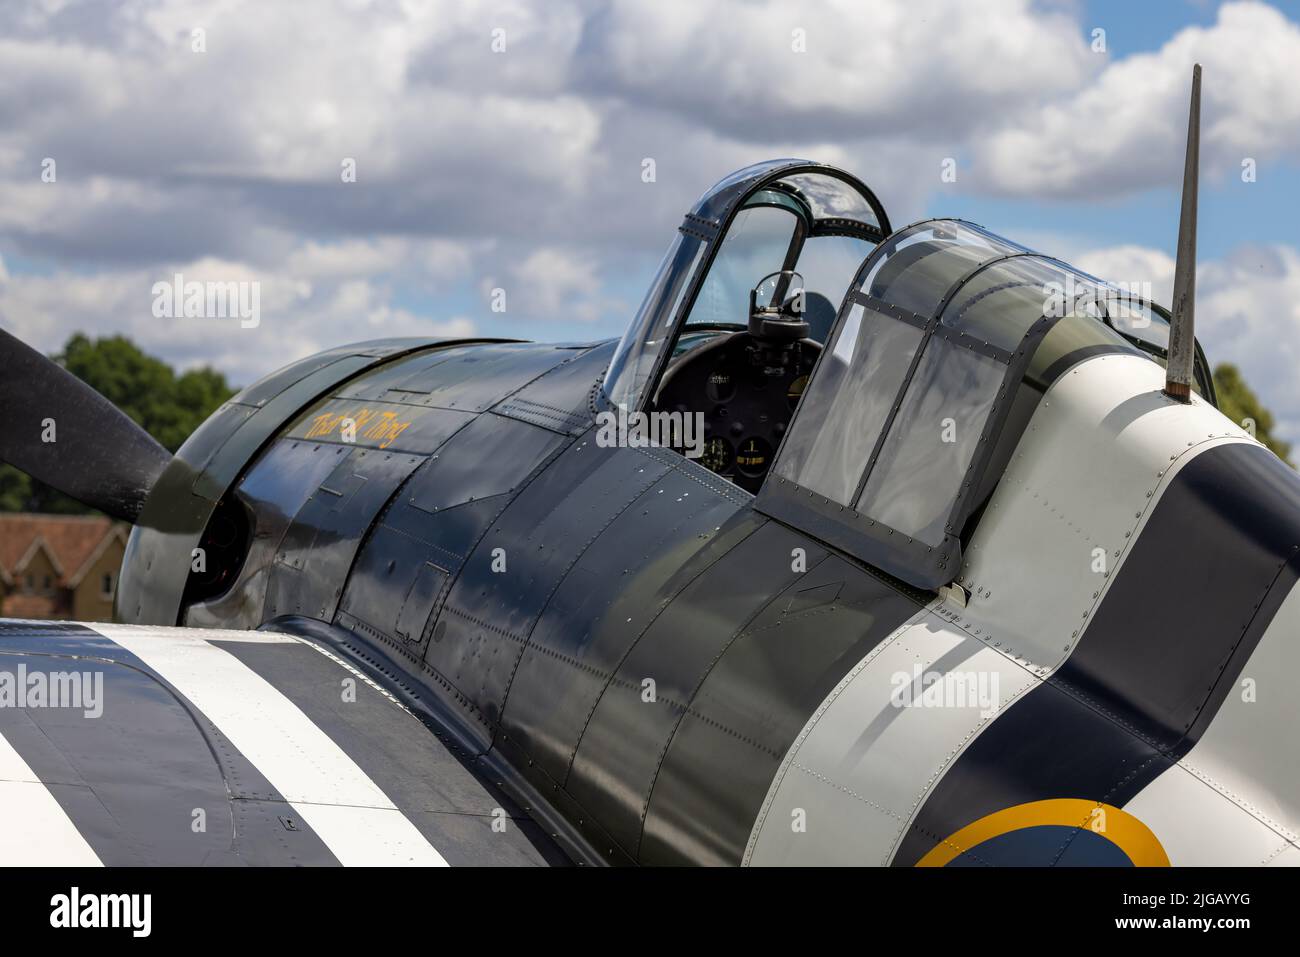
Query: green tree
point(167, 406)
point(1238, 402)
point(15, 489)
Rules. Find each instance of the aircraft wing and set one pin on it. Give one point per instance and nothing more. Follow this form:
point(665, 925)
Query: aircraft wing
point(131, 745)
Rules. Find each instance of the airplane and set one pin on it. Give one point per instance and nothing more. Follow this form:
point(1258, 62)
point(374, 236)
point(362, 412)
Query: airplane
point(968, 571)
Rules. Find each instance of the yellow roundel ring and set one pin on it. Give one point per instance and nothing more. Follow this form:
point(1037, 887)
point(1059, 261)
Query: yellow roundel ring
point(1119, 827)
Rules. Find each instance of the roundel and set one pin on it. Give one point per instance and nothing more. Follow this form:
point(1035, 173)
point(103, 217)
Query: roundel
point(1065, 832)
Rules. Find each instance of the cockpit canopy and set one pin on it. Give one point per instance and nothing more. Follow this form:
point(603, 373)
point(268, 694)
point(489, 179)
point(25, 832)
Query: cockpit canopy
point(920, 384)
point(800, 211)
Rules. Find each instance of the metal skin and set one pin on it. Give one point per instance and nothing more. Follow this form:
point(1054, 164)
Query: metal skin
point(622, 658)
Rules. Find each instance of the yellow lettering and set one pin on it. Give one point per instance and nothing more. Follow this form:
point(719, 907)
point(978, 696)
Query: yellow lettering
point(385, 427)
point(398, 429)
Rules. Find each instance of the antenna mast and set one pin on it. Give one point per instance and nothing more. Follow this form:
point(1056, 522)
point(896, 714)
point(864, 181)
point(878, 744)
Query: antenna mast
point(1182, 337)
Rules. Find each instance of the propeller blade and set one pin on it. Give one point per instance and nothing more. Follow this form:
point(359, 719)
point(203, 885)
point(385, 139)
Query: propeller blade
point(61, 431)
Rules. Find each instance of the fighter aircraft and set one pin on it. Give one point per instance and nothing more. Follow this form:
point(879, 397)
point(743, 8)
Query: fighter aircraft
point(968, 571)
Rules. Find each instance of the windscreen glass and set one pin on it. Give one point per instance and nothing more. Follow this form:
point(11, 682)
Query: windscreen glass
point(756, 245)
point(634, 361)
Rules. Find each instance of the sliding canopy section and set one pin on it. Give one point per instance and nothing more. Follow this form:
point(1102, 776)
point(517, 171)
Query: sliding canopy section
point(891, 449)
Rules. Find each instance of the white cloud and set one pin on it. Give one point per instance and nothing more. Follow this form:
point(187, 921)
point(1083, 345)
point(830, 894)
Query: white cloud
point(556, 280)
point(435, 259)
point(1133, 267)
point(551, 283)
point(1247, 313)
point(867, 70)
point(241, 145)
point(299, 316)
point(445, 134)
point(1127, 129)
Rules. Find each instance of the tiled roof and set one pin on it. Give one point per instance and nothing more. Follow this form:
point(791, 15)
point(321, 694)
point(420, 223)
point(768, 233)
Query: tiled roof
point(72, 539)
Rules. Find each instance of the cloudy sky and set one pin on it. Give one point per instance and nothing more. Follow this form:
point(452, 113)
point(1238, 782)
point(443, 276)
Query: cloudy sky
point(520, 168)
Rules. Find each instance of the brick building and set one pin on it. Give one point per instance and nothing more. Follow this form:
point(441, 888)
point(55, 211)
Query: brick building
point(59, 566)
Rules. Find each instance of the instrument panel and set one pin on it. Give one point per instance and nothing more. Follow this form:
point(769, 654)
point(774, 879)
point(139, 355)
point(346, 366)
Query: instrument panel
point(746, 390)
